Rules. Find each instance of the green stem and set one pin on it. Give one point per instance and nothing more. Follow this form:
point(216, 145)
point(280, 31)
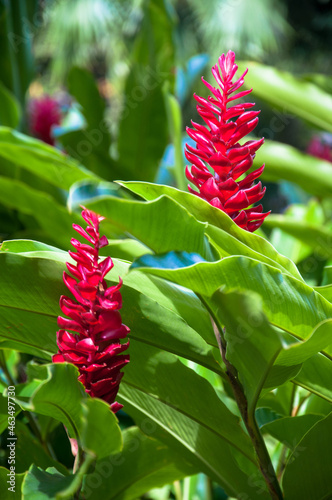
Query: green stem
point(262, 455)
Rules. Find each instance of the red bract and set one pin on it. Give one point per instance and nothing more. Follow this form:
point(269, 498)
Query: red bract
point(95, 347)
point(218, 147)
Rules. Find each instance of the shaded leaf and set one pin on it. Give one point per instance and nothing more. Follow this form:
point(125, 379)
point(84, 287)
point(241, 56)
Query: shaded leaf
point(150, 462)
point(311, 461)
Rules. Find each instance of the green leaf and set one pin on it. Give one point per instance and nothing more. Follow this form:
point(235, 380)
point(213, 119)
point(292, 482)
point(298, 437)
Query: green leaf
point(90, 146)
point(148, 393)
point(142, 130)
point(10, 109)
point(144, 221)
point(295, 95)
point(7, 494)
point(154, 46)
point(41, 159)
point(45, 485)
point(58, 395)
point(315, 376)
point(53, 218)
point(299, 352)
point(317, 237)
point(288, 303)
point(151, 464)
point(227, 236)
point(258, 351)
point(101, 434)
point(82, 86)
point(290, 430)
point(287, 163)
point(308, 471)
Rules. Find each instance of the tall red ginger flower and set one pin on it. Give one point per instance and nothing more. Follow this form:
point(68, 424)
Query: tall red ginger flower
point(44, 113)
point(218, 147)
point(95, 347)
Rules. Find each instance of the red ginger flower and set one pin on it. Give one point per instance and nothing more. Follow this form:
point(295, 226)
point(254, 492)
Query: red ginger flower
point(95, 348)
point(218, 146)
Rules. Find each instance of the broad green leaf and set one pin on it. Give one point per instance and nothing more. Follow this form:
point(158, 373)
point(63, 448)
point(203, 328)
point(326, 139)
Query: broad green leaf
point(151, 464)
point(10, 110)
point(27, 246)
point(317, 237)
point(290, 430)
point(100, 434)
point(260, 353)
point(147, 391)
point(142, 131)
point(308, 471)
point(53, 218)
point(291, 94)
point(125, 249)
point(7, 494)
point(229, 238)
point(144, 221)
point(41, 159)
point(287, 163)
point(288, 303)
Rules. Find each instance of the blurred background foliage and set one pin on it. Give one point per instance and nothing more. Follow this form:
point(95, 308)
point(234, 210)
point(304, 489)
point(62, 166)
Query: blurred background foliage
point(98, 90)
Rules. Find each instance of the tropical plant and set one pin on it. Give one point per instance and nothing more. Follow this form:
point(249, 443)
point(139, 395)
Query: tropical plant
point(228, 389)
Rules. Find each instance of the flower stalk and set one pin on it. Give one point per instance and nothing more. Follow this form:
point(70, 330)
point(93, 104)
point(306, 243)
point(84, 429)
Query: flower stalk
point(249, 420)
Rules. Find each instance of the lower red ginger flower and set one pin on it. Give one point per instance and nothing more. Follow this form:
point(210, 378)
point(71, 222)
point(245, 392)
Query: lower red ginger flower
point(218, 149)
point(95, 347)
point(44, 113)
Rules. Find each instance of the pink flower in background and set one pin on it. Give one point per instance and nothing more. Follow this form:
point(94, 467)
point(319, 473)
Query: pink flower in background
point(95, 347)
point(44, 113)
point(219, 160)
point(321, 146)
